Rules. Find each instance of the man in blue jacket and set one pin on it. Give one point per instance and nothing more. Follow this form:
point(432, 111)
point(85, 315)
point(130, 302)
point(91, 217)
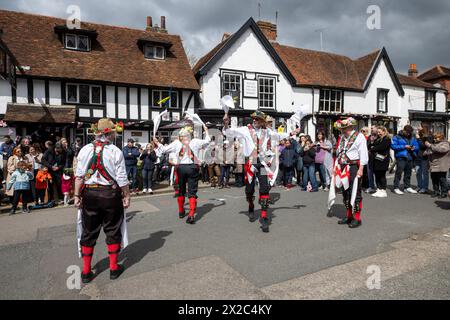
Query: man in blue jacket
point(406, 149)
point(131, 155)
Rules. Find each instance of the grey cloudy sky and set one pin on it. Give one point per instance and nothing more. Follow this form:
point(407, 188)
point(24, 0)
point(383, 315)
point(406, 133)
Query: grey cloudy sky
point(413, 31)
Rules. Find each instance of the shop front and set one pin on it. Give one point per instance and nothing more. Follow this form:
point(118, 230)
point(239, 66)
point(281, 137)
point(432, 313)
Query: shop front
point(430, 122)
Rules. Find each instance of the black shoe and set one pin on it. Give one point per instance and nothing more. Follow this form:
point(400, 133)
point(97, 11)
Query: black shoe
point(355, 224)
point(181, 215)
point(265, 225)
point(86, 278)
point(345, 221)
point(25, 211)
point(114, 274)
point(443, 196)
point(251, 215)
point(190, 220)
point(435, 195)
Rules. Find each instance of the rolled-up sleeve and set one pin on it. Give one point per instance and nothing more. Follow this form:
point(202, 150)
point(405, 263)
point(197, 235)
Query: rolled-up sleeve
point(362, 149)
point(121, 173)
point(80, 171)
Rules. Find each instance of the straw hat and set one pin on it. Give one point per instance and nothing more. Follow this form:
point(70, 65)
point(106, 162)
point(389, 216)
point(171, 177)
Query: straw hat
point(346, 123)
point(186, 131)
point(103, 126)
point(259, 115)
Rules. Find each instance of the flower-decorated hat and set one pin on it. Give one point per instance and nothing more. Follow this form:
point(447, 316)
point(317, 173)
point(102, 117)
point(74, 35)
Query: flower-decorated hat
point(105, 125)
point(186, 131)
point(345, 123)
point(259, 115)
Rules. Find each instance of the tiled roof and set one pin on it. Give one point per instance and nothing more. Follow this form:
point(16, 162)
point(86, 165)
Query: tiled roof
point(115, 56)
point(316, 68)
point(435, 73)
point(414, 82)
point(41, 114)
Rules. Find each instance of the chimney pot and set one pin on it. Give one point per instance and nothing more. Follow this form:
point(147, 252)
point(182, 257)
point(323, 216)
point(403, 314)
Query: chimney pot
point(413, 72)
point(149, 23)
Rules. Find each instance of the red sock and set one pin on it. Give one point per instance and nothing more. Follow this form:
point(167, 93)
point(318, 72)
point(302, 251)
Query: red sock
point(264, 211)
point(192, 206)
point(358, 214)
point(349, 214)
point(181, 204)
point(113, 250)
point(86, 253)
point(263, 214)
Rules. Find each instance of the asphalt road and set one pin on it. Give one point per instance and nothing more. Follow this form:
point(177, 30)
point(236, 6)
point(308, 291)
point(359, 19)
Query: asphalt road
point(306, 255)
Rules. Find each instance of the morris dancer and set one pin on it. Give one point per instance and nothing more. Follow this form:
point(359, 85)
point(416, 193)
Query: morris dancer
point(188, 168)
point(102, 193)
point(258, 149)
point(351, 157)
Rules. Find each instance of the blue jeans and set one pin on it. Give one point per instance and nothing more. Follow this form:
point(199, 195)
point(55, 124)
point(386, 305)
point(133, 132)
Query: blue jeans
point(422, 174)
point(131, 174)
point(147, 176)
point(224, 174)
point(320, 167)
point(288, 174)
point(309, 174)
point(371, 177)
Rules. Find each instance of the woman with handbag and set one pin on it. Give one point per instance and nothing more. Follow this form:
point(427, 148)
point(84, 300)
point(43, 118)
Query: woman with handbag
point(379, 154)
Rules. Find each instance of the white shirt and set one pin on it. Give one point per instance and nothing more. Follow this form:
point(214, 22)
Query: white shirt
point(243, 133)
point(358, 150)
point(113, 162)
point(195, 145)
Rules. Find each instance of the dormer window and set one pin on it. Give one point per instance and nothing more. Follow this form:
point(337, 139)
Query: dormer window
point(155, 52)
point(77, 42)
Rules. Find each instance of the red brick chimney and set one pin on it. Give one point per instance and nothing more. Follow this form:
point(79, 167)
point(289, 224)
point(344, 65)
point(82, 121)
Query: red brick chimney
point(149, 24)
point(412, 72)
point(269, 29)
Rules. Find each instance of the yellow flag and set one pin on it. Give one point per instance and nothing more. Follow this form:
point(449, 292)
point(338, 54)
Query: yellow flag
point(162, 101)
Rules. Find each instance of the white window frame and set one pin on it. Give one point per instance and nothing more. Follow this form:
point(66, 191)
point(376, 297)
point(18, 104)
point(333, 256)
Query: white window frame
point(160, 92)
point(154, 50)
point(382, 101)
point(260, 93)
point(78, 93)
point(429, 94)
point(235, 82)
point(77, 39)
point(327, 102)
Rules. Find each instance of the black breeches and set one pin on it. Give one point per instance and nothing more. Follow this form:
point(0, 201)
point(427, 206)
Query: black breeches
point(188, 175)
point(348, 193)
point(264, 185)
point(102, 208)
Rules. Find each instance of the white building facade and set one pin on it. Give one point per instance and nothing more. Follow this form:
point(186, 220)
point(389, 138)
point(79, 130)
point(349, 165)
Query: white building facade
point(262, 74)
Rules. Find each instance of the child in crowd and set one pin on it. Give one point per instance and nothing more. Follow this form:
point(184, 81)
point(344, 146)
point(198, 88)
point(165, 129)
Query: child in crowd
point(20, 179)
point(43, 177)
point(66, 185)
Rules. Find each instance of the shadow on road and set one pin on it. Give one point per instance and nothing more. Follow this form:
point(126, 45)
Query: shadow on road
point(207, 208)
point(136, 251)
point(337, 211)
point(443, 204)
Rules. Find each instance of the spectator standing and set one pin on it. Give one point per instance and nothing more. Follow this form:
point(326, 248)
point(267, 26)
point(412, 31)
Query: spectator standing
point(35, 159)
point(54, 159)
point(213, 166)
point(148, 158)
point(379, 155)
point(70, 154)
point(43, 178)
point(7, 151)
point(422, 163)
point(239, 161)
point(299, 147)
point(370, 170)
point(66, 184)
point(288, 160)
point(323, 160)
point(131, 155)
point(20, 179)
point(25, 144)
point(12, 166)
point(406, 148)
point(225, 155)
point(438, 153)
point(309, 167)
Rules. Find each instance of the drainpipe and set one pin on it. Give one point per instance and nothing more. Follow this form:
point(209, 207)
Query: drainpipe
point(312, 109)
